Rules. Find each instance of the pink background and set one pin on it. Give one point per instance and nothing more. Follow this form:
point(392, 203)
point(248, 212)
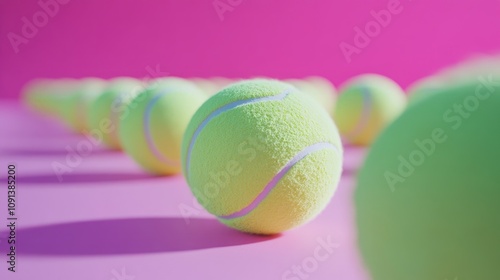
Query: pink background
point(107, 214)
point(282, 39)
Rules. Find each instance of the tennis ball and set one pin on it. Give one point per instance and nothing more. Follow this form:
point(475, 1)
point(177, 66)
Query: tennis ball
point(78, 104)
point(207, 86)
point(48, 96)
point(326, 91)
point(428, 198)
point(221, 82)
point(107, 109)
point(477, 65)
point(35, 95)
point(151, 133)
point(61, 92)
point(424, 88)
point(367, 103)
point(262, 157)
point(318, 89)
point(431, 86)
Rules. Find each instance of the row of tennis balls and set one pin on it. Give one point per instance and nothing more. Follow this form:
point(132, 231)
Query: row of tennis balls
point(260, 155)
point(147, 121)
point(367, 103)
point(152, 125)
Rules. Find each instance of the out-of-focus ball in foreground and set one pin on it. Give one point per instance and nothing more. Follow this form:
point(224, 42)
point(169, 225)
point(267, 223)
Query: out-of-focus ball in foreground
point(428, 196)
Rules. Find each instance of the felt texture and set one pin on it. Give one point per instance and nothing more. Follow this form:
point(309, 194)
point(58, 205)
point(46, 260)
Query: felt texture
point(229, 162)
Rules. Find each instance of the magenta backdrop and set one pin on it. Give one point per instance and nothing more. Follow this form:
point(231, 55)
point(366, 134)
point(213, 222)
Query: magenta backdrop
point(280, 38)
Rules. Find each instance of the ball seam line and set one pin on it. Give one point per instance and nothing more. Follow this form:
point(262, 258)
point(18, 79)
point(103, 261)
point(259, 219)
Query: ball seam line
point(223, 109)
point(276, 179)
point(147, 129)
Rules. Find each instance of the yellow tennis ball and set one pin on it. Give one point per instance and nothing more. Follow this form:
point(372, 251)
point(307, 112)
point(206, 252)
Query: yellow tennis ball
point(35, 95)
point(366, 105)
point(325, 91)
point(262, 157)
point(319, 89)
point(151, 131)
point(206, 85)
point(106, 110)
point(221, 82)
point(48, 96)
point(77, 107)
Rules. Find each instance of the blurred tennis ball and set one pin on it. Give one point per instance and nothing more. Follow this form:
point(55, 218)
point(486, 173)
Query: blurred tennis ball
point(151, 132)
point(107, 109)
point(366, 105)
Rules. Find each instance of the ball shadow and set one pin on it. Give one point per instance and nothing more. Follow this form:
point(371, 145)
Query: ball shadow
point(353, 159)
point(130, 236)
point(50, 152)
point(81, 178)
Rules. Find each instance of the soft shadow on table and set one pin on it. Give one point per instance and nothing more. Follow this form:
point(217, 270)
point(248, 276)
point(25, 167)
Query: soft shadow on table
point(81, 178)
point(354, 157)
point(40, 152)
point(349, 171)
point(130, 236)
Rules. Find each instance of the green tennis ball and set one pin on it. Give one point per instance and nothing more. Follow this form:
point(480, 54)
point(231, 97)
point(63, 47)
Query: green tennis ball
point(428, 198)
point(366, 105)
point(262, 157)
point(472, 67)
point(424, 88)
point(151, 132)
point(429, 87)
point(106, 110)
